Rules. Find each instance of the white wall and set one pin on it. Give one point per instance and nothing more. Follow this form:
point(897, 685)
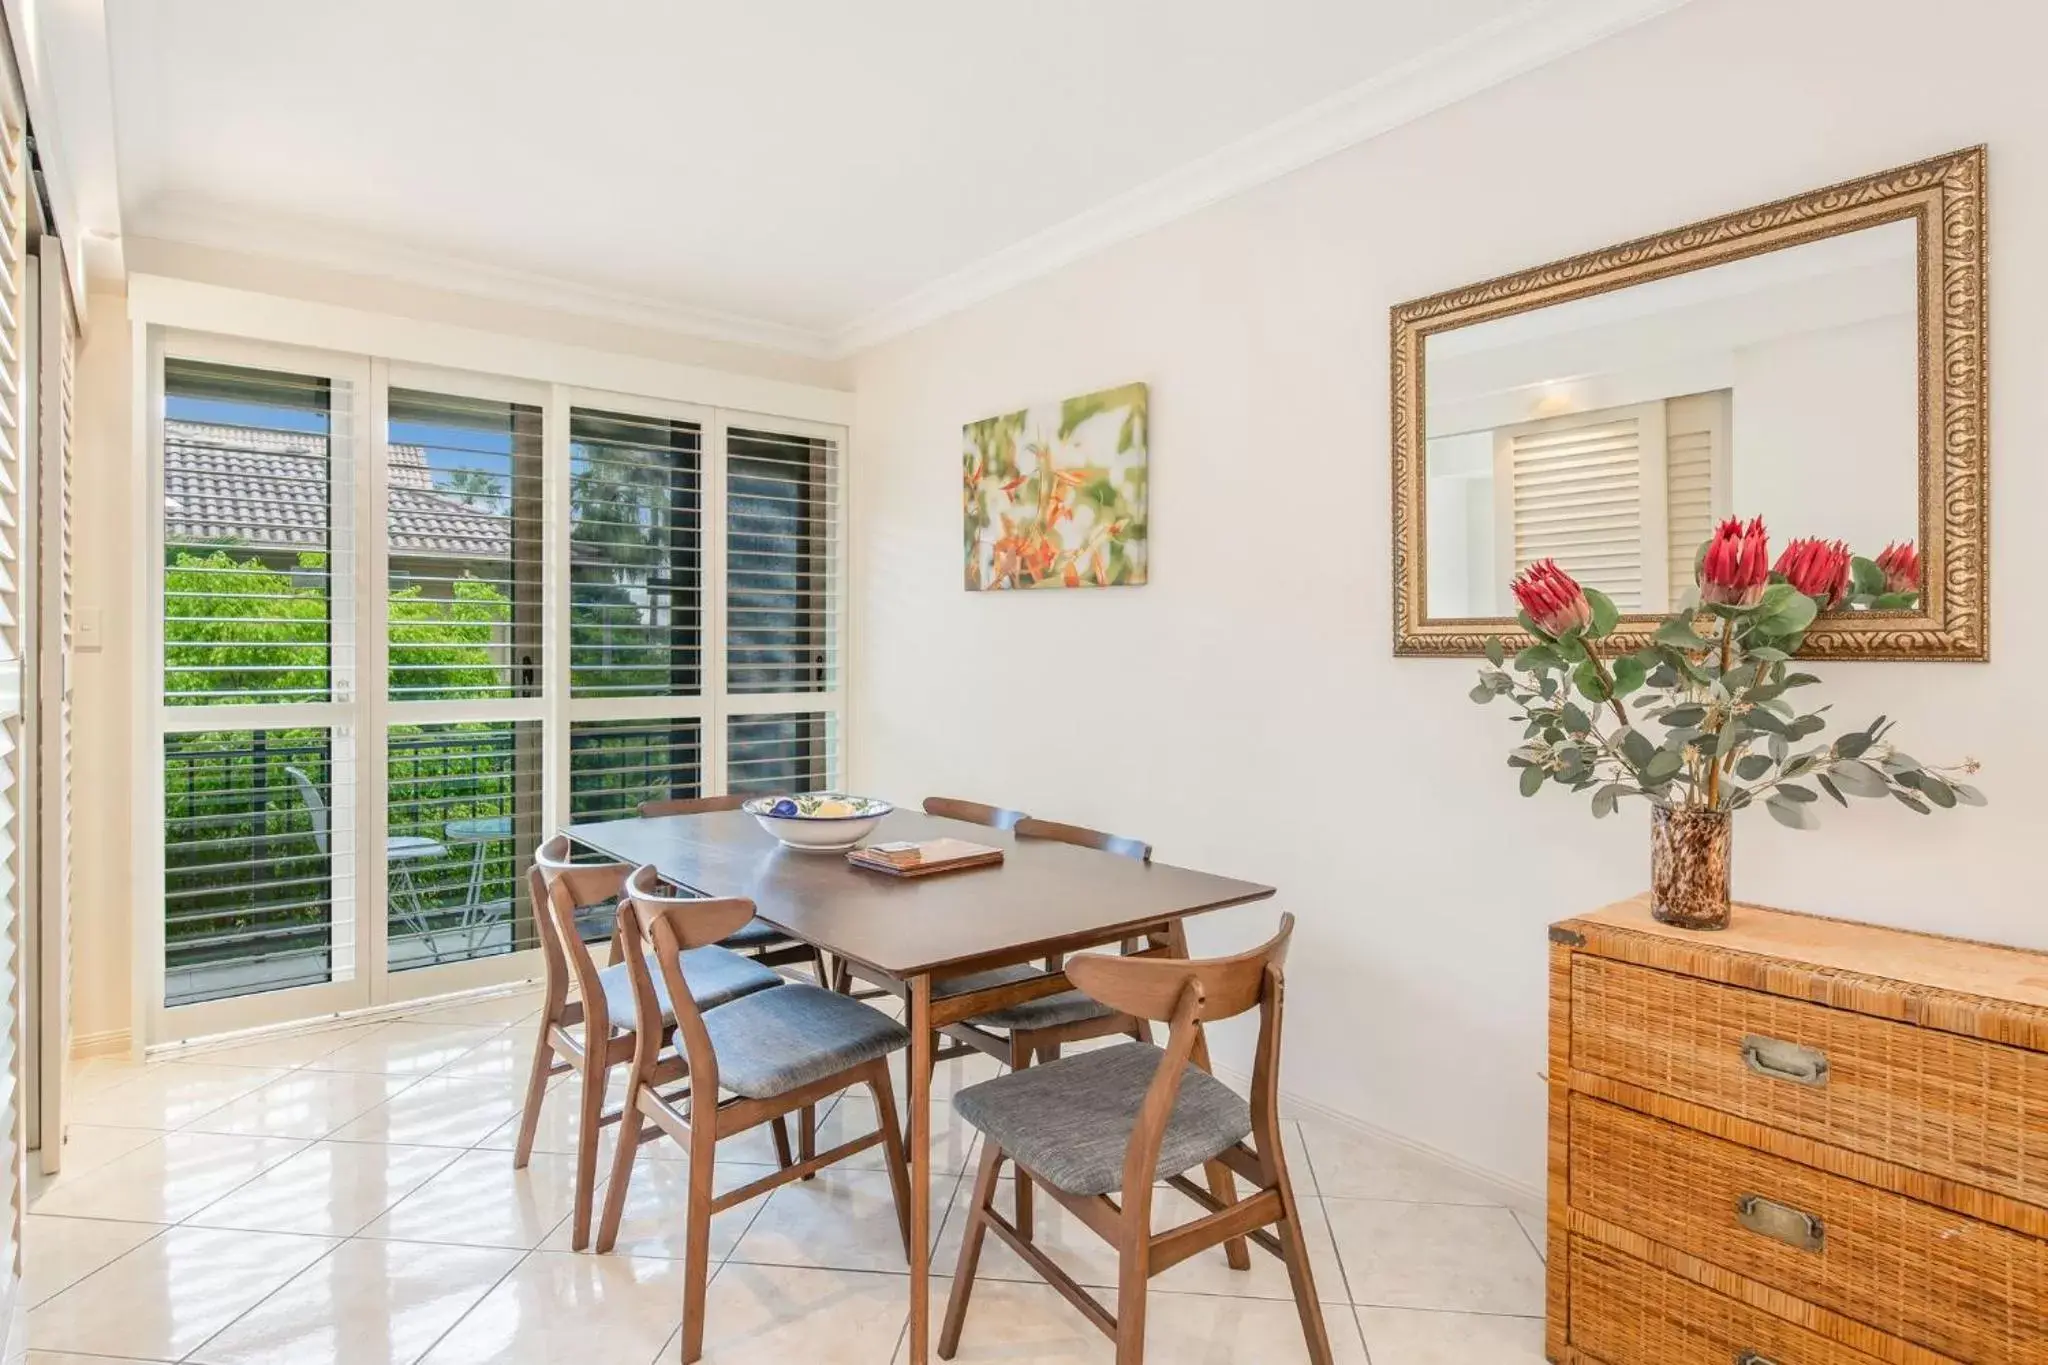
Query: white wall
point(1244, 711)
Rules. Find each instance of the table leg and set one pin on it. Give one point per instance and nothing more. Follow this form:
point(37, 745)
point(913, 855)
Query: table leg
point(921, 1043)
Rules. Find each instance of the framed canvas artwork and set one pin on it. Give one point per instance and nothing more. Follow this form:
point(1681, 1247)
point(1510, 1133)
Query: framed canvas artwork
point(1055, 494)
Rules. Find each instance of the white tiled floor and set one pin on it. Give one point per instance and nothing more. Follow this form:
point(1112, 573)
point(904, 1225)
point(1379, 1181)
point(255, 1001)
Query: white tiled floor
point(348, 1196)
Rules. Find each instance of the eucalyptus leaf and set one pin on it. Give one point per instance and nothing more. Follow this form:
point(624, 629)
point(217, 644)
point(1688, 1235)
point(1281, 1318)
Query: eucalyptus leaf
point(1791, 813)
point(1604, 800)
point(1792, 791)
point(1768, 654)
point(1663, 766)
point(1752, 766)
point(1912, 802)
point(1864, 576)
point(1968, 794)
point(1937, 791)
point(1605, 614)
point(1532, 781)
point(1574, 719)
point(1858, 778)
point(1481, 693)
point(1537, 658)
point(1587, 679)
point(1686, 716)
point(1495, 655)
point(1628, 674)
point(1827, 784)
point(1852, 745)
point(1678, 633)
point(1637, 748)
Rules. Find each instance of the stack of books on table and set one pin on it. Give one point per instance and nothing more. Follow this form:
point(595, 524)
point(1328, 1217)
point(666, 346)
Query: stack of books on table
point(906, 859)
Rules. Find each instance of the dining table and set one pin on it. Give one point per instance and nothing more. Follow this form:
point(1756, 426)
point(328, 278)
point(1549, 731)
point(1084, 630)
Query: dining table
point(910, 935)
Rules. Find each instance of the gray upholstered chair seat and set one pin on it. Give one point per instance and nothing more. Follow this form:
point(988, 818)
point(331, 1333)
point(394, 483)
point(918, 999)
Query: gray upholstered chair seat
point(755, 933)
point(1068, 1007)
point(1069, 1122)
point(771, 1043)
point(717, 976)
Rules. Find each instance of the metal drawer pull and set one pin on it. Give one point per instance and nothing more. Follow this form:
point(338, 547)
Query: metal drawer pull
point(1768, 1218)
point(1752, 1358)
point(1783, 1061)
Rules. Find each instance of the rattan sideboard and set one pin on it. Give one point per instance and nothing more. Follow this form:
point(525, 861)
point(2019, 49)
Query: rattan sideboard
point(1798, 1141)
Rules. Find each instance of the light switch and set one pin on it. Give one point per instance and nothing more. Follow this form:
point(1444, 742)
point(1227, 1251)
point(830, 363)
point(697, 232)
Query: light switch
point(85, 631)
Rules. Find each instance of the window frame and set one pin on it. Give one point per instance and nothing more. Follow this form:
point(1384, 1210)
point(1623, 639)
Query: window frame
point(375, 354)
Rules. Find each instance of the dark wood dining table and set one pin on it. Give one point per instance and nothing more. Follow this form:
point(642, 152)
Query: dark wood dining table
point(1044, 900)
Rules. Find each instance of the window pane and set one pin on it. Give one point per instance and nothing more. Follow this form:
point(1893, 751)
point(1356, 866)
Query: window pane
point(464, 526)
point(614, 765)
point(463, 821)
point(254, 863)
point(784, 753)
point(782, 519)
point(635, 556)
point(249, 520)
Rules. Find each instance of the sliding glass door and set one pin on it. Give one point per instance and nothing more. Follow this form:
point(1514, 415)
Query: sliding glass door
point(413, 620)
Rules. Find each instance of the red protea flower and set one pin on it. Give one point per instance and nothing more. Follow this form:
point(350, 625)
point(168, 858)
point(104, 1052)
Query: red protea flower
point(1737, 564)
point(1901, 565)
point(1552, 598)
point(1818, 568)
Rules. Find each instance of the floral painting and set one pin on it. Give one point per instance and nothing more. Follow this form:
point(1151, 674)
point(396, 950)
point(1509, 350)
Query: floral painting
point(1055, 494)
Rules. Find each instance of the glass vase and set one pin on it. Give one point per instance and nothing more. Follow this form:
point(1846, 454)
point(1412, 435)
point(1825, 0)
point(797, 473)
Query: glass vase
point(1689, 855)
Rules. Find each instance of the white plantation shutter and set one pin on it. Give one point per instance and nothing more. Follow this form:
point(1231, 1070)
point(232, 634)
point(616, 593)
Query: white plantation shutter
point(782, 598)
point(15, 527)
point(57, 361)
point(1695, 480)
point(1572, 489)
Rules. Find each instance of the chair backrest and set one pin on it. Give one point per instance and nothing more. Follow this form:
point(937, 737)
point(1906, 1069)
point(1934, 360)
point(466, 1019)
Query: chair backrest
point(974, 812)
point(560, 888)
point(692, 805)
point(656, 930)
point(316, 809)
point(1189, 992)
point(1082, 837)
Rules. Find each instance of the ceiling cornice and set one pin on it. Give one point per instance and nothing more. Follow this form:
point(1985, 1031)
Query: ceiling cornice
point(1539, 31)
point(225, 228)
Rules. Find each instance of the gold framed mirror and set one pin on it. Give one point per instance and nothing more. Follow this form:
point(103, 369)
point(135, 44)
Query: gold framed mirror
point(1819, 361)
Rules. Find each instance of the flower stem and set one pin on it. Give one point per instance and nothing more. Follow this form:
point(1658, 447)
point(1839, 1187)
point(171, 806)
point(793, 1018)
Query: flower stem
point(1714, 769)
point(1606, 682)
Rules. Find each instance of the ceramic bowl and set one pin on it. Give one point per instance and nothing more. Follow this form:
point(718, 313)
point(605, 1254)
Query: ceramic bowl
point(818, 821)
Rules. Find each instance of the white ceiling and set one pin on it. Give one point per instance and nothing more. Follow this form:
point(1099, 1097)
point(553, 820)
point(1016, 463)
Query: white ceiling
point(809, 173)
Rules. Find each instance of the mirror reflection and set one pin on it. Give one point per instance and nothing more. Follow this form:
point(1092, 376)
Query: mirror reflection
point(1610, 432)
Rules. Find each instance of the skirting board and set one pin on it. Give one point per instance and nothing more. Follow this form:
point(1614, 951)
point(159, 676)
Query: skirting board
point(1515, 1195)
point(14, 1316)
point(113, 1042)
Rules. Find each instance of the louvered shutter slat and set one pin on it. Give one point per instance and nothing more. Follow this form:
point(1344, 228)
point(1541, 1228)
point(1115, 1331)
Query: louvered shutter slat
point(1576, 498)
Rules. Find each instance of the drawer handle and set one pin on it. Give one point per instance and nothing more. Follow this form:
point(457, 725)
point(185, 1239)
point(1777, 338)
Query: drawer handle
point(1769, 1218)
point(1752, 1358)
point(1783, 1061)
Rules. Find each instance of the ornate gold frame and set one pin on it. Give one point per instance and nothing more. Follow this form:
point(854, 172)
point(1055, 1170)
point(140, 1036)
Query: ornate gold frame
point(1944, 196)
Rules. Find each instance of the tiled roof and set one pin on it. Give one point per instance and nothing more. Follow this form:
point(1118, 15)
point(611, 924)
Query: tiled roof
point(269, 489)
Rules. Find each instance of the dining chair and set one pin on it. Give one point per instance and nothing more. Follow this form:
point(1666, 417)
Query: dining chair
point(589, 1024)
point(1113, 1121)
point(758, 938)
point(973, 812)
point(1036, 1029)
point(775, 1051)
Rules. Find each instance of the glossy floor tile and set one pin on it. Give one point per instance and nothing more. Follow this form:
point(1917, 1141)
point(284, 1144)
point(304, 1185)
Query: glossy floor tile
point(345, 1196)
point(369, 1303)
point(1398, 1336)
point(164, 1298)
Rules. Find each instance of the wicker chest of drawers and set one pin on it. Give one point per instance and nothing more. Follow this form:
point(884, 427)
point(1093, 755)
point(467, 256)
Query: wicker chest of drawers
point(1799, 1141)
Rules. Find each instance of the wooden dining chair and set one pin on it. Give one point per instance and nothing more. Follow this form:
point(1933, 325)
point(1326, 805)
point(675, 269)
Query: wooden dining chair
point(775, 1051)
point(1036, 1029)
point(589, 1024)
point(973, 812)
point(1115, 1120)
point(757, 939)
